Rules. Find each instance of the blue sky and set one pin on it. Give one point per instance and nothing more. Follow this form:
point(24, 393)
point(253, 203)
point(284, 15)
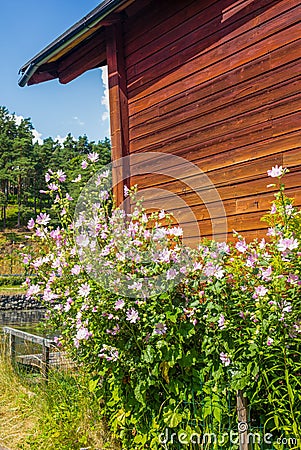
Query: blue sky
point(26, 27)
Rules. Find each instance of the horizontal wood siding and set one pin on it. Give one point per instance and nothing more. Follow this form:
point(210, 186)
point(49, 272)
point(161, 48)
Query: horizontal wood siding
point(217, 83)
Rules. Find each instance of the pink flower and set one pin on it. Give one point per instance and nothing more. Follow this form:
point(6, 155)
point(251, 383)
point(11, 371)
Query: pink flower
point(52, 187)
point(76, 269)
point(273, 209)
point(292, 278)
point(137, 286)
point(266, 273)
point(26, 259)
point(57, 341)
point(126, 191)
point(104, 195)
point(270, 341)
point(197, 266)
point(84, 164)
point(68, 197)
point(271, 231)
point(82, 240)
point(56, 234)
point(164, 256)
point(83, 333)
point(287, 244)
point(176, 231)
point(84, 290)
point(241, 246)
point(47, 177)
point(34, 289)
point(260, 291)
point(77, 179)
point(30, 224)
point(171, 274)
point(225, 359)
point(162, 214)
point(221, 322)
point(132, 315)
point(276, 172)
point(160, 328)
point(43, 219)
point(93, 157)
point(61, 176)
point(119, 304)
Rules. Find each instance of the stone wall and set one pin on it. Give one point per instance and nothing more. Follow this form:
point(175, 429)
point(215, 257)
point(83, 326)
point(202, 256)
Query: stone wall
point(18, 302)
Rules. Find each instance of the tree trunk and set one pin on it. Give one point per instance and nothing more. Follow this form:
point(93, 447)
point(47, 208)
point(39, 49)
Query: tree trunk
point(4, 216)
point(19, 202)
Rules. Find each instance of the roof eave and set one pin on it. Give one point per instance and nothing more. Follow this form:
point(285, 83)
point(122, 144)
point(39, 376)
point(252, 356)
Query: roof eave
point(76, 31)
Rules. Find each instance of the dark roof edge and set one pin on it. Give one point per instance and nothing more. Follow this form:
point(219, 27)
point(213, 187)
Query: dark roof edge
point(96, 15)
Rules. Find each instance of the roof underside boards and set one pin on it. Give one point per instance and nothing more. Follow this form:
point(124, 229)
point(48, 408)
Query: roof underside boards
point(63, 57)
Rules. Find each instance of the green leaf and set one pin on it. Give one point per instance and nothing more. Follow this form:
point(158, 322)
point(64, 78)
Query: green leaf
point(148, 354)
point(140, 439)
point(93, 384)
point(172, 418)
point(139, 392)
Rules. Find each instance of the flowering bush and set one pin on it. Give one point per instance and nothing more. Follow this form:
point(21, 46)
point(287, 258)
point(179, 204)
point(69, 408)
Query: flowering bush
point(170, 334)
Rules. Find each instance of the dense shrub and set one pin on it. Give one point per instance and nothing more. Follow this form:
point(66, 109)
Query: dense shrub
point(11, 280)
point(171, 334)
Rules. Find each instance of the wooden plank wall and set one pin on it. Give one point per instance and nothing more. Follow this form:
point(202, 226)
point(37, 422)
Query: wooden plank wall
point(218, 83)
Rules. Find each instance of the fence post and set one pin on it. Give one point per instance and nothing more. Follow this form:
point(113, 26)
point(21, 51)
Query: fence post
point(242, 416)
point(12, 347)
point(45, 361)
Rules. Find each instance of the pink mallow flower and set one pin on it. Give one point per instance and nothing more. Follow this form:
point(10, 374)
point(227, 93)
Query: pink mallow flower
point(84, 290)
point(260, 291)
point(160, 328)
point(56, 234)
point(76, 269)
point(241, 246)
point(221, 322)
point(34, 289)
point(31, 224)
point(270, 341)
point(276, 171)
point(57, 341)
point(266, 273)
point(132, 315)
point(119, 304)
point(53, 187)
point(83, 334)
point(225, 359)
point(93, 157)
point(292, 278)
point(84, 164)
point(43, 219)
point(61, 176)
point(287, 244)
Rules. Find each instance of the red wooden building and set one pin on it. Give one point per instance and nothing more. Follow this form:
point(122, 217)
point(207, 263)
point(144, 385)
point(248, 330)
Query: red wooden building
point(215, 82)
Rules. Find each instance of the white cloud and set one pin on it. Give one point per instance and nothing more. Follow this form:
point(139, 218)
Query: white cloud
point(18, 119)
point(60, 139)
point(37, 137)
point(80, 122)
point(105, 98)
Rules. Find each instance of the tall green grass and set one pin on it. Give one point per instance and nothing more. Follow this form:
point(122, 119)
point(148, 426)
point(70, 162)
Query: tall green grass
point(60, 414)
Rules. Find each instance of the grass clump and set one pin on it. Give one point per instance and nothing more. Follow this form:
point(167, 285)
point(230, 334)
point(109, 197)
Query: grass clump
point(60, 414)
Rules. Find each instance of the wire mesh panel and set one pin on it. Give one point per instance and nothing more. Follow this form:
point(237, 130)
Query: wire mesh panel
point(36, 353)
